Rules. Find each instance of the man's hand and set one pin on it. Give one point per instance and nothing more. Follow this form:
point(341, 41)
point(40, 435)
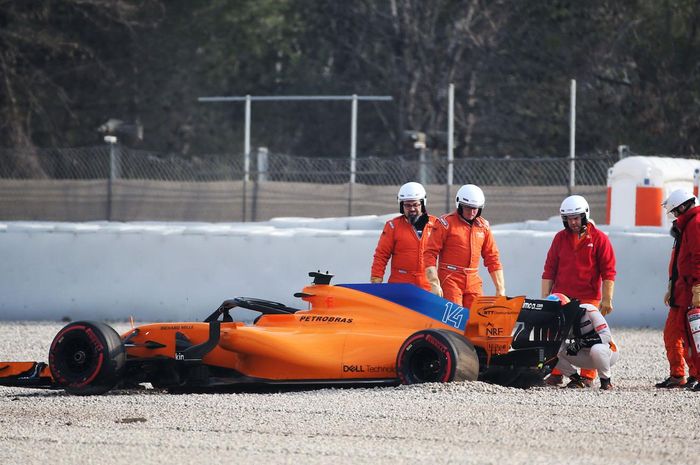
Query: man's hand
point(573, 347)
point(606, 302)
point(431, 276)
point(375, 280)
point(499, 282)
point(436, 289)
point(696, 296)
point(667, 296)
point(547, 287)
point(591, 340)
point(576, 344)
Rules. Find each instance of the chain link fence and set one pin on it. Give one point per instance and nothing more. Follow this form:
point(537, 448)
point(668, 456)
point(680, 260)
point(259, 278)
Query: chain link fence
point(118, 183)
point(120, 162)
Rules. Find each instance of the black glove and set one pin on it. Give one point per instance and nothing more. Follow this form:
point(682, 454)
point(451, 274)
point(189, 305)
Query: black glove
point(590, 340)
point(573, 346)
point(576, 344)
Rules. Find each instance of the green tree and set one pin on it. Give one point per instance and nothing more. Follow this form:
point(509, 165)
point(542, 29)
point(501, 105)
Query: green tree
point(68, 65)
point(57, 58)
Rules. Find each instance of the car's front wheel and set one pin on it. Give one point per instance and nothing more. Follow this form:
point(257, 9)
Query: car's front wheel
point(87, 358)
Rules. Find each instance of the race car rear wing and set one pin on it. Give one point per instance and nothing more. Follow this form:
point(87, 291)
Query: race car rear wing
point(533, 340)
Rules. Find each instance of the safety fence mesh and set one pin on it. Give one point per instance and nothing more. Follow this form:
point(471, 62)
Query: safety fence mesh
point(118, 183)
point(120, 162)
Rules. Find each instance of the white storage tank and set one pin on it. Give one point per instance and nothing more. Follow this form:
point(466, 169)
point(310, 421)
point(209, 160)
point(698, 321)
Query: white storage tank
point(637, 185)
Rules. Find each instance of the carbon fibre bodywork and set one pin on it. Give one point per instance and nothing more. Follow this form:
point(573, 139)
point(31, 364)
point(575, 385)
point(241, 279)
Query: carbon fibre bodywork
point(348, 334)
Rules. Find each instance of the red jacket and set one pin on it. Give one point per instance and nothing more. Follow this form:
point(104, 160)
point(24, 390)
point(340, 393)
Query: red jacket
point(687, 257)
point(578, 268)
point(400, 243)
point(460, 244)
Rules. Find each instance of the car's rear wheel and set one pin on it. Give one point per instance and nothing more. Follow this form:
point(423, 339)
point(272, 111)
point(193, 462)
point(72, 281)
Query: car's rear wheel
point(87, 358)
point(437, 356)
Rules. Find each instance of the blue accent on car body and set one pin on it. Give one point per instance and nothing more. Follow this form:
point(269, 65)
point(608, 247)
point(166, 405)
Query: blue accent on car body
point(418, 300)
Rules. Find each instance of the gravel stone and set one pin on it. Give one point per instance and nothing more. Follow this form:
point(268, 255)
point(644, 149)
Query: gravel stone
point(460, 423)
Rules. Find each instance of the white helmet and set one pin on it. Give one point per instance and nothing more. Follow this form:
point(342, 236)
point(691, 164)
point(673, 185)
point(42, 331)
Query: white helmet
point(575, 205)
point(676, 199)
point(470, 195)
point(412, 191)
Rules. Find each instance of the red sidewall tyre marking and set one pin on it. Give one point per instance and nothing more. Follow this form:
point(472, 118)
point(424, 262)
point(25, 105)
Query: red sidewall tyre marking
point(97, 345)
point(433, 342)
point(444, 350)
point(402, 354)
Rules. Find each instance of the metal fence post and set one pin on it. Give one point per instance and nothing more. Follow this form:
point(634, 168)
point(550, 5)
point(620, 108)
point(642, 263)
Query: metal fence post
point(263, 155)
point(422, 145)
point(246, 156)
point(623, 151)
point(572, 139)
point(113, 172)
point(450, 144)
point(353, 151)
point(261, 176)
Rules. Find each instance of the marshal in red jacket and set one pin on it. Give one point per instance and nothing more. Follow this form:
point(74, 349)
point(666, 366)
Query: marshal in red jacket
point(687, 258)
point(579, 266)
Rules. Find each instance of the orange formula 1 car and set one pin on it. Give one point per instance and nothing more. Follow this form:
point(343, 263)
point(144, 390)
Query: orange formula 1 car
point(350, 334)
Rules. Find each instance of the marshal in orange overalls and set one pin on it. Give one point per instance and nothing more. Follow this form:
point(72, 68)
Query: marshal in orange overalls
point(401, 243)
point(459, 245)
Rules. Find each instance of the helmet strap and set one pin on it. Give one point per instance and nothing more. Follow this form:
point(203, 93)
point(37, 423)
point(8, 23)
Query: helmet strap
point(460, 210)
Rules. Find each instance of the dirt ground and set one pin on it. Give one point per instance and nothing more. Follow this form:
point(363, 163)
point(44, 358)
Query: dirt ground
point(460, 423)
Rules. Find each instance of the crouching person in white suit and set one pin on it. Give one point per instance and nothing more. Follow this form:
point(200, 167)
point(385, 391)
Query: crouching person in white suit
point(591, 347)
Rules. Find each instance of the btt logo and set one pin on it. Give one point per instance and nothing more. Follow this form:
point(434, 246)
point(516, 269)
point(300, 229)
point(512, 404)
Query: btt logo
point(453, 315)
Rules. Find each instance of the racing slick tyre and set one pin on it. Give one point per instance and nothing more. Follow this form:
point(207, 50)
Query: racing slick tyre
point(436, 356)
point(87, 358)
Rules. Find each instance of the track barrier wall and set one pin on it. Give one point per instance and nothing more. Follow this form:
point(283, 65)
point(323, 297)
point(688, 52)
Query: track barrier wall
point(183, 271)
